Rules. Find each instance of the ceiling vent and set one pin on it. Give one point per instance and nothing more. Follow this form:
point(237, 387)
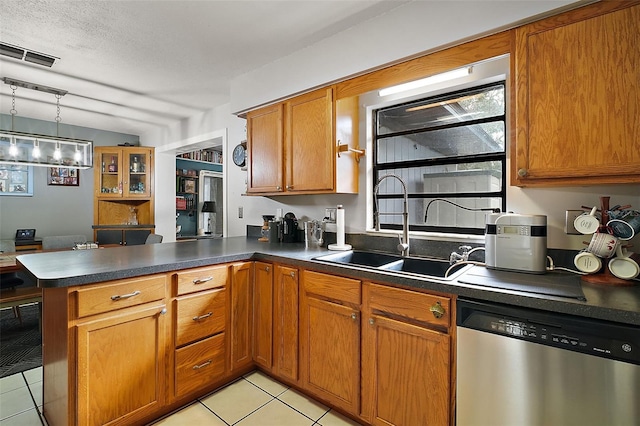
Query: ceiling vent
point(26, 55)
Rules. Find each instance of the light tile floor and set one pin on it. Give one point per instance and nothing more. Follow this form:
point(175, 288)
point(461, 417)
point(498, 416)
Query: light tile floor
point(253, 400)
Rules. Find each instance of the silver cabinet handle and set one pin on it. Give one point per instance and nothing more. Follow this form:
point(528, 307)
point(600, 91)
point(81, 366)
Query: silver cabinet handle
point(289, 187)
point(293, 274)
point(125, 296)
point(371, 321)
point(163, 311)
point(204, 364)
point(354, 316)
point(202, 280)
point(278, 188)
point(201, 317)
point(267, 268)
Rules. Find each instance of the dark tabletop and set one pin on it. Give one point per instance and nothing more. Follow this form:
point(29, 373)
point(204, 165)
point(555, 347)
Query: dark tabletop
point(68, 268)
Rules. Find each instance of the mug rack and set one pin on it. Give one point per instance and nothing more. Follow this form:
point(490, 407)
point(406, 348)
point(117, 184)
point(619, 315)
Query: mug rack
point(605, 276)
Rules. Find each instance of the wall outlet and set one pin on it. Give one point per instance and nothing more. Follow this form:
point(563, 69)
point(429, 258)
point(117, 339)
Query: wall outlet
point(570, 217)
point(240, 212)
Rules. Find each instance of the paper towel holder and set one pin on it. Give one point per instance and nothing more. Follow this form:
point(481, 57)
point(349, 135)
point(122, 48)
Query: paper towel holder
point(340, 244)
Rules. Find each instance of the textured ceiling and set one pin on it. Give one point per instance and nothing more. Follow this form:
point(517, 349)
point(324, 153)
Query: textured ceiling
point(130, 66)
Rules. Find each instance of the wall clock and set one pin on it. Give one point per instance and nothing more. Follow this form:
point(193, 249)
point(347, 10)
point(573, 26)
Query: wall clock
point(240, 154)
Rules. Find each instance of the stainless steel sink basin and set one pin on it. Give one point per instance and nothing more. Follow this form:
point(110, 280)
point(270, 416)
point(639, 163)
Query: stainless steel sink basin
point(360, 258)
point(428, 268)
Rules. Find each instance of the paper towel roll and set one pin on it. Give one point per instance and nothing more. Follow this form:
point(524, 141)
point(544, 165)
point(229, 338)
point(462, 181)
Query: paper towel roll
point(340, 226)
point(339, 245)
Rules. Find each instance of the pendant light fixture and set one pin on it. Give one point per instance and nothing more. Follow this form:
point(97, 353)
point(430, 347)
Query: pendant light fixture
point(41, 150)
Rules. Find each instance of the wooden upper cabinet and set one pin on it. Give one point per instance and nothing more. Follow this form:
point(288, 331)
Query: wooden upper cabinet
point(265, 150)
point(309, 143)
point(578, 97)
point(292, 146)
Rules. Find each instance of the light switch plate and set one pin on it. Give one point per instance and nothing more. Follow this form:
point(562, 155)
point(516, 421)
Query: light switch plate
point(570, 217)
point(240, 212)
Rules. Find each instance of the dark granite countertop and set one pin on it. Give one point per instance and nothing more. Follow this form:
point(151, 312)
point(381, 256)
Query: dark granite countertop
point(67, 268)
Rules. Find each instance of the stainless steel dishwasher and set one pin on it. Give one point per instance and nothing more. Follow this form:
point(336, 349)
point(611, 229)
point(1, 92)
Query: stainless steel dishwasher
point(518, 367)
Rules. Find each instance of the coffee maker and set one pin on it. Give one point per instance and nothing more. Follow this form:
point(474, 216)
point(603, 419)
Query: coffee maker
point(289, 228)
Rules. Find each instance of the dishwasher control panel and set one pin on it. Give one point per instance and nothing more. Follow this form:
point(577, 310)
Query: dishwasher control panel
point(589, 336)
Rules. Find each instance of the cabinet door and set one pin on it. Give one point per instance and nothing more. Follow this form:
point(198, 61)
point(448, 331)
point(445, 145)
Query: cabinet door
point(133, 237)
point(121, 367)
point(137, 172)
point(108, 178)
point(406, 373)
point(285, 323)
point(263, 315)
point(330, 352)
point(265, 150)
point(578, 97)
point(107, 237)
point(309, 141)
point(241, 281)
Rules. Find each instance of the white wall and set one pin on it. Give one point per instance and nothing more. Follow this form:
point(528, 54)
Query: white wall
point(410, 30)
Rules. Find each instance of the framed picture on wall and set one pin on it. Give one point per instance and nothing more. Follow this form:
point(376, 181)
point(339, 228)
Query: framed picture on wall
point(63, 177)
point(16, 180)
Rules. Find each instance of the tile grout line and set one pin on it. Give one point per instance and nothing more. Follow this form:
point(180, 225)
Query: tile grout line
point(33, 399)
point(213, 412)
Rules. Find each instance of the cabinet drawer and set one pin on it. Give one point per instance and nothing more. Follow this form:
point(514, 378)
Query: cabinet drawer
point(331, 286)
point(120, 294)
point(199, 364)
point(409, 304)
point(192, 280)
point(200, 315)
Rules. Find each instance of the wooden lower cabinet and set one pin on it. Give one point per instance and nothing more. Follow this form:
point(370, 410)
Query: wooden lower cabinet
point(130, 352)
point(201, 317)
point(199, 364)
point(330, 339)
point(406, 358)
point(263, 315)
point(285, 323)
point(104, 352)
point(241, 315)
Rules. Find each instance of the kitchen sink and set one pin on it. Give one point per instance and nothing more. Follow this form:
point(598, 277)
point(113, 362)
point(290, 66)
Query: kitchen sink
point(429, 268)
point(360, 258)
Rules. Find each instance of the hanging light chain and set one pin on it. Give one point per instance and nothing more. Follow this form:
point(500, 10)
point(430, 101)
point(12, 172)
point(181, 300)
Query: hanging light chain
point(58, 119)
point(13, 111)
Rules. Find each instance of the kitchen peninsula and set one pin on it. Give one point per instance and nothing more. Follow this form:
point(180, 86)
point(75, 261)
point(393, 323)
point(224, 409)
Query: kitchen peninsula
point(191, 316)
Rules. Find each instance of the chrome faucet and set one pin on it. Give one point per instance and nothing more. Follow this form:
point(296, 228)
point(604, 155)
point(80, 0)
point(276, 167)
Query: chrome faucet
point(403, 246)
point(456, 257)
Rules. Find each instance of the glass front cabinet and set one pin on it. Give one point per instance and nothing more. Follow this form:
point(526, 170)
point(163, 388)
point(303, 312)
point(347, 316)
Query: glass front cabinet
point(124, 172)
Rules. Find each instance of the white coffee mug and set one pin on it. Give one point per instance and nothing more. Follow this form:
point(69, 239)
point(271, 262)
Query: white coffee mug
point(587, 262)
point(587, 223)
point(625, 265)
point(603, 245)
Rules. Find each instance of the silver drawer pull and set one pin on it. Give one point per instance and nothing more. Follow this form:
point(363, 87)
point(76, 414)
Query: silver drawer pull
point(125, 296)
point(202, 280)
point(207, 315)
point(204, 364)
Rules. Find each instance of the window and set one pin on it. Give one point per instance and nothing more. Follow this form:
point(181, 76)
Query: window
point(448, 147)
